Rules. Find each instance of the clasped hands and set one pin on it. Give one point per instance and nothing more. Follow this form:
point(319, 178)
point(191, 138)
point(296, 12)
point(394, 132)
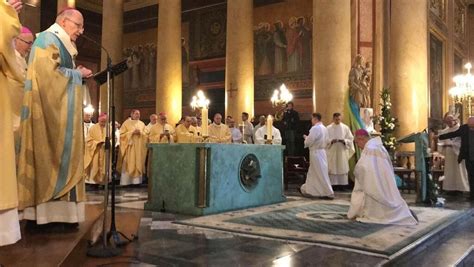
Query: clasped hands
point(333, 141)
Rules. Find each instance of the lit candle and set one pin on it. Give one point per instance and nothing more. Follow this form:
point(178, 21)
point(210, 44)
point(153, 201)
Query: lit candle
point(204, 121)
point(269, 127)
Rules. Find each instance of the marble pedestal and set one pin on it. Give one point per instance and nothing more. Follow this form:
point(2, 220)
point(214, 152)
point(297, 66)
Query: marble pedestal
point(200, 179)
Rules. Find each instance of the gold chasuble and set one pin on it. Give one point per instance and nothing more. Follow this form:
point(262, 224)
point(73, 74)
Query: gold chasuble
point(186, 135)
point(9, 28)
point(94, 156)
point(51, 152)
point(133, 151)
point(156, 130)
point(219, 133)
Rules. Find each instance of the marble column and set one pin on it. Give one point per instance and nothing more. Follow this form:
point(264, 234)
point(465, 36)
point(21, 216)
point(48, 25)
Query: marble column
point(112, 35)
point(62, 4)
point(332, 55)
point(169, 76)
point(408, 64)
point(239, 72)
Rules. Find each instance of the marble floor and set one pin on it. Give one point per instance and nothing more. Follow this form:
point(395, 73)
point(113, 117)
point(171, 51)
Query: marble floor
point(161, 243)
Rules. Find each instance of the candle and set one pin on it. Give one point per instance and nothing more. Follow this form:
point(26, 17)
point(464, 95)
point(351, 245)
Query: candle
point(204, 121)
point(269, 127)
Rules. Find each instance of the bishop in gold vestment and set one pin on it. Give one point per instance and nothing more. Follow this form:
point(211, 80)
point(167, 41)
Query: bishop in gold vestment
point(133, 141)
point(94, 156)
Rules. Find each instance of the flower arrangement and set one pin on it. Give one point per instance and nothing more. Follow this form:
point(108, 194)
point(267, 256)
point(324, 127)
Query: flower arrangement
point(387, 122)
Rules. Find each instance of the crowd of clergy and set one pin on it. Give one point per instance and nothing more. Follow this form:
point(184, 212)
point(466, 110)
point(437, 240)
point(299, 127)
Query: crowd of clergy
point(46, 158)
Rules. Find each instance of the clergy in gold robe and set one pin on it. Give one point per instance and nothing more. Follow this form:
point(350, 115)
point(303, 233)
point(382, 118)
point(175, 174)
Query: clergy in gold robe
point(185, 132)
point(22, 44)
point(9, 28)
point(219, 132)
point(51, 152)
point(194, 123)
point(162, 131)
point(133, 142)
point(94, 156)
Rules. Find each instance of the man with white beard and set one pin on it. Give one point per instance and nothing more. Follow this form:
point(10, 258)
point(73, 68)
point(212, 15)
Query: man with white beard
point(455, 174)
point(317, 180)
point(339, 151)
point(375, 198)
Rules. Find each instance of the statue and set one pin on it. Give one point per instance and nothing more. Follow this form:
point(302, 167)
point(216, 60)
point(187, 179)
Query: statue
point(360, 80)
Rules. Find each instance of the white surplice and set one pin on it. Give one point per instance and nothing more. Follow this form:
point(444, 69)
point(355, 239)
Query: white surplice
point(262, 131)
point(375, 198)
point(338, 153)
point(236, 135)
point(455, 174)
point(317, 180)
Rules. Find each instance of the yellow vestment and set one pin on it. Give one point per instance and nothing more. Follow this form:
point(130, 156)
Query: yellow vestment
point(156, 130)
point(219, 133)
point(133, 151)
point(185, 135)
point(94, 156)
point(9, 28)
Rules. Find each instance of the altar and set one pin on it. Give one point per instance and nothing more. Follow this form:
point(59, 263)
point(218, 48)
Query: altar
point(201, 179)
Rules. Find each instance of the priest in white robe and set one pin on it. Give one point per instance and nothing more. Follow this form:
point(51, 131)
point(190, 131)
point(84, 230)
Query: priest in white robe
point(339, 151)
point(455, 173)
point(87, 123)
point(376, 198)
point(237, 136)
point(247, 129)
point(317, 180)
point(262, 131)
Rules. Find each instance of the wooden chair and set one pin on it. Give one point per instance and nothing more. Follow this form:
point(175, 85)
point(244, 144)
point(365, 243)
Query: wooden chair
point(294, 169)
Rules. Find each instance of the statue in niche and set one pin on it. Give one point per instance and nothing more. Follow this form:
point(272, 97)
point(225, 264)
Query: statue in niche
point(294, 50)
point(279, 40)
point(360, 79)
point(135, 62)
point(305, 34)
point(184, 62)
point(127, 52)
point(264, 49)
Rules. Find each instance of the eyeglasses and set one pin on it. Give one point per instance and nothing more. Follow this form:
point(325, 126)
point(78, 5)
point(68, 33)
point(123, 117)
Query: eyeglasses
point(78, 25)
point(24, 41)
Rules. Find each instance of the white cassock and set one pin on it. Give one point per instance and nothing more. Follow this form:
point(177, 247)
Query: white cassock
point(317, 180)
point(262, 131)
point(375, 198)
point(87, 126)
point(338, 153)
point(248, 132)
point(236, 135)
point(455, 174)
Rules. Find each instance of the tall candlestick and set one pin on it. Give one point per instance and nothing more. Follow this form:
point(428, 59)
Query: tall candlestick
point(204, 121)
point(269, 127)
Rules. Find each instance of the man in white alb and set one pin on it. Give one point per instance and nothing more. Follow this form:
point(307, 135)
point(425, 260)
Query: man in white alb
point(339, 151)
point(317, 180)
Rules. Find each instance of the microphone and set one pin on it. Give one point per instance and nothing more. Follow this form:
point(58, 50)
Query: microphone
point(109, 59)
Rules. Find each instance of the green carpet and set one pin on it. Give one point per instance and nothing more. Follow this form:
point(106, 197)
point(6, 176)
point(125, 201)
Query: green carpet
point(325, 222)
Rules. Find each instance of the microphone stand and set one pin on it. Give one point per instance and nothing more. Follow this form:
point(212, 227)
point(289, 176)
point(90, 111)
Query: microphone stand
point(105, 250)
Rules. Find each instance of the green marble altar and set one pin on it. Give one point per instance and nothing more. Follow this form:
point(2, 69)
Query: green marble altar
point(200, 179)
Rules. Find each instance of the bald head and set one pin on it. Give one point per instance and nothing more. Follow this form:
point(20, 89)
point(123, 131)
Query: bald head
point(218, 118)
point(72, 22)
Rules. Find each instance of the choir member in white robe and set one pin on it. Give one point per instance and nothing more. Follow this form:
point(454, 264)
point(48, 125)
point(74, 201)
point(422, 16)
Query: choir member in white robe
point(375, 198)
point(262, 131)
point(455, 174)
point(339, 151)
point(317, 180)
point(235, 132)
point(247, 129)
point(261, 123)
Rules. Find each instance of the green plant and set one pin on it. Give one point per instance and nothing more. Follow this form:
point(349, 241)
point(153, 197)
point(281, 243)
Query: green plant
point(387, 123)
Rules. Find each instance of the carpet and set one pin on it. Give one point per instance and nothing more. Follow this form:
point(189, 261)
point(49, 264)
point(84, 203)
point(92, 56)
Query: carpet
point(325, 222)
